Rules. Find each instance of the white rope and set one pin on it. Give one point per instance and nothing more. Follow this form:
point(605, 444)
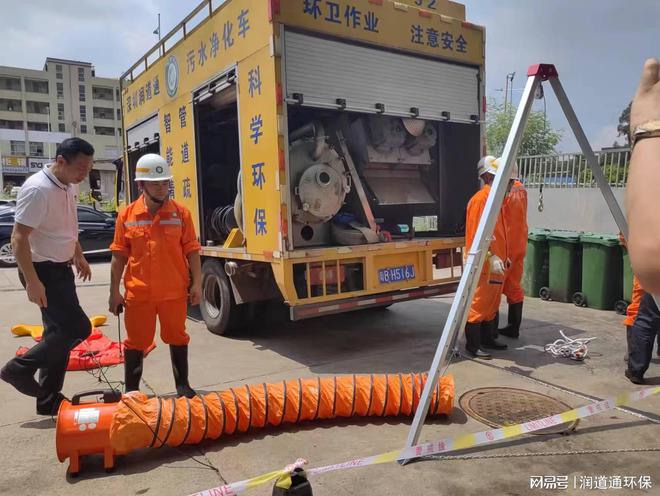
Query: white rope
point(575, 349)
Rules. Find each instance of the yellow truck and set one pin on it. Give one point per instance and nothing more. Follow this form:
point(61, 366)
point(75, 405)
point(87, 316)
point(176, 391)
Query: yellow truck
point(327, 149)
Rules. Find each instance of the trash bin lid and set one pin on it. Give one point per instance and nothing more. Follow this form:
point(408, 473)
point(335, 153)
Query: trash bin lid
point(600, 239)
point(538, 234)
point(565, 236)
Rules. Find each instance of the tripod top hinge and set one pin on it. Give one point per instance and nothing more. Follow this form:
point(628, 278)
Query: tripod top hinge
point(546, 71)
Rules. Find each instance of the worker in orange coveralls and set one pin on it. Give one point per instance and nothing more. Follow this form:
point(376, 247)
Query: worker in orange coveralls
point(515, 206)
point(155, 241)
point(481, 325)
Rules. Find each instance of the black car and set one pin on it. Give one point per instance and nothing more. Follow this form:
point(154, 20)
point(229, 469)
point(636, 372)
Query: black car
point(95, 232)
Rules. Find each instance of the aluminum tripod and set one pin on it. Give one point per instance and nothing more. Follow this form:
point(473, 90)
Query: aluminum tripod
point(476, 257)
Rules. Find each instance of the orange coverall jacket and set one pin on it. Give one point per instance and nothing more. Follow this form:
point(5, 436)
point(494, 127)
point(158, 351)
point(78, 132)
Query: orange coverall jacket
point(157, 249)
point(486, 299)
point(515, 207)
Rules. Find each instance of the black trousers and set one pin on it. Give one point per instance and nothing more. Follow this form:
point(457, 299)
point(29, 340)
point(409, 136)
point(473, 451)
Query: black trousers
point(643, 336)
point(65, 325)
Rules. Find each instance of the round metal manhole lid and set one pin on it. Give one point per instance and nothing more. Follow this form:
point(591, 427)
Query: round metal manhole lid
point(503, 407)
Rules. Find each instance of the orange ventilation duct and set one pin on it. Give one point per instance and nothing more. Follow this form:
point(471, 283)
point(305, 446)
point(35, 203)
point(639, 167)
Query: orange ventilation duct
point(140, 422)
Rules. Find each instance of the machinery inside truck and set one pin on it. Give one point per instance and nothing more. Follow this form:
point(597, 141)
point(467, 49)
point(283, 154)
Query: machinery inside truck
point(355, 178)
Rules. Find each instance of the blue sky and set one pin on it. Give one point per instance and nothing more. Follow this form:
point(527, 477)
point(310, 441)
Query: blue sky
point(598, 46)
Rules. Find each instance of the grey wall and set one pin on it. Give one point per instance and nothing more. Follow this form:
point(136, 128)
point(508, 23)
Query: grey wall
point(576, 209)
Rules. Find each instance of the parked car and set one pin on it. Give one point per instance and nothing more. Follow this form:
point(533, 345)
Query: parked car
point(95, 232)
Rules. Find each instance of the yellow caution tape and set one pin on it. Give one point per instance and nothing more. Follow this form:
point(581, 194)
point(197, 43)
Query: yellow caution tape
point(283, 477)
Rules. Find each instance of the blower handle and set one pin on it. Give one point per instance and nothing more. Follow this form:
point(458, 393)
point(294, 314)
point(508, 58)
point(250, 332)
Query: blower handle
point(109, 395)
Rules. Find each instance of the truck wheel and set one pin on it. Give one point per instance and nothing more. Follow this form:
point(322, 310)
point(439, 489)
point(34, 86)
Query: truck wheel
point(218, 308)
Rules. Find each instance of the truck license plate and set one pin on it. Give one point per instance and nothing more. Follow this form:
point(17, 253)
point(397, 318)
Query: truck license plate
point(396, 274)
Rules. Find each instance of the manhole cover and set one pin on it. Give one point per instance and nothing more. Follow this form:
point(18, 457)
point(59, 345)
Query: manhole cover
point(502, 407)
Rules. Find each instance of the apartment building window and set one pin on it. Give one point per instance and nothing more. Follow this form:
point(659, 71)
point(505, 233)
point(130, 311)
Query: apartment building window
point(61, 128)
point(118, 114)
point(81, 74)
point(37, 126)
point(35, 86)
point(104, 131)
point(81, 92)
point(60, 111)
point(10, 105)
point(17, 147)
point(36, 149)
point(117, 94)
point(36, 107)
point(60, 90)
point(83, 129)
point(10, 83)
point(4, 124)
point(83, 113)
point(58, 67)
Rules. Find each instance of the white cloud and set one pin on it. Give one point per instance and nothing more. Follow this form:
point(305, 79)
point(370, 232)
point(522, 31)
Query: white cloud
point(606, 138)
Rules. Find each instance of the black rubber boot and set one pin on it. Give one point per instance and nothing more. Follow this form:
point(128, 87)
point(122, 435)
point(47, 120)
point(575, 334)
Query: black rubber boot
point(472, 341)
point(179, 355)
point(496, 330)
point(487, 339)
point(515, 319)
point(132, 369)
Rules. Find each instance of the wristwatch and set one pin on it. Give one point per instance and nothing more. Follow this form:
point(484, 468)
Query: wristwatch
point(649, 129)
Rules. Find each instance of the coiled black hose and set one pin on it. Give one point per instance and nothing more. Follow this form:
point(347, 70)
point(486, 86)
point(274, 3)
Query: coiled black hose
point(223, 220)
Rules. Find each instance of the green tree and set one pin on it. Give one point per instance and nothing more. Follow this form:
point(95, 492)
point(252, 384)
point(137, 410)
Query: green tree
point(538, 139)
point(624, 124)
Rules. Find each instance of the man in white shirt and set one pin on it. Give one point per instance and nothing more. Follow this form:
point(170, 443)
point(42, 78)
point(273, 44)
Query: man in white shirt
point(45, 244)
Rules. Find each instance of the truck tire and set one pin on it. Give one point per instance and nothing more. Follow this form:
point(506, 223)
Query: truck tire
point(218, 307)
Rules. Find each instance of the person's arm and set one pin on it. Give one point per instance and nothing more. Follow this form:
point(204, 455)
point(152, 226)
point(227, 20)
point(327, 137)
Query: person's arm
point(121, 250)
point(191, 247)
point(20, 244)
point(80, 263)
point(195, 263)
point(117, 267)
point(642, 205)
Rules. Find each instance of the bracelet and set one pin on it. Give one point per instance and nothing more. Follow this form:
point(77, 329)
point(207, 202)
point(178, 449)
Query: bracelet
point(642, 136)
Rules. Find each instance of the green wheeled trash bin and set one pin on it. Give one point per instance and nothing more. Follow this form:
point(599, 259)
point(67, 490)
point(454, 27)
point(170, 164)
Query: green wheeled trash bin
point(622, 305)
point(565, 266)
point(602, 273)
point(535, 274)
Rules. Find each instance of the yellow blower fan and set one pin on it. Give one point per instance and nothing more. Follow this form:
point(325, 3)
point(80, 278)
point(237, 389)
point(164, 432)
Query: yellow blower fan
point(36, 330)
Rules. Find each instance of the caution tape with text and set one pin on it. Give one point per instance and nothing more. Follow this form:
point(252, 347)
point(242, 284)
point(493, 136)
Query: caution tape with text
point(283, 477)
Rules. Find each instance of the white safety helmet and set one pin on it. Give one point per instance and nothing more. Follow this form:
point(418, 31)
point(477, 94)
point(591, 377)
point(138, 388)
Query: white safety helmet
point(485, 165)
point(515, 174)
point(152, 167)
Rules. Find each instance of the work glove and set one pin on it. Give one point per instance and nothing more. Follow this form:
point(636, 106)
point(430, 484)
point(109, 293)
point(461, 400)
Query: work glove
point(496, 265)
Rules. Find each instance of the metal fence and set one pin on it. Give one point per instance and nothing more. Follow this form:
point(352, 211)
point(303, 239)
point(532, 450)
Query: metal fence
point(570, 170)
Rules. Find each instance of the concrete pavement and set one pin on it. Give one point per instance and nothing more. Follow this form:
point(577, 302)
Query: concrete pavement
point(400, 339)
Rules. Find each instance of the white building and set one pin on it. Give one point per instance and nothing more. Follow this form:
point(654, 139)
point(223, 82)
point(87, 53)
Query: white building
point(39, 109)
